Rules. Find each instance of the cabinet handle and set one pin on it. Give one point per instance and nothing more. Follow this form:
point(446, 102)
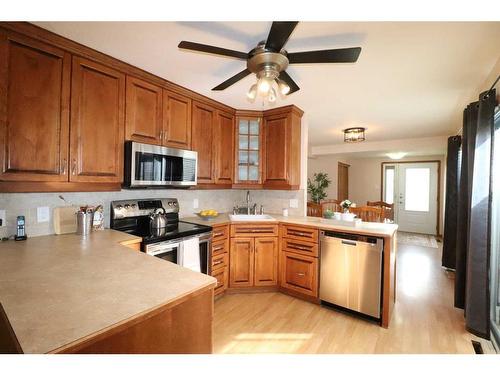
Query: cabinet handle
point(300, 274)
point(300, 234)
point(293, 246)
point(218, 248)
point(218, 234)
point(64, 162)
point(218, 262)
point(73, 168)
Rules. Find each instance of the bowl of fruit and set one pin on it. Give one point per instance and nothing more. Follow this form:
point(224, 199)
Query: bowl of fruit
point(208, 214)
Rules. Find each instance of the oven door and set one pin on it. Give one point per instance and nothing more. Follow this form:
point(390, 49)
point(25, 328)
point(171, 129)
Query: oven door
point(150, 165)
point(167, 250)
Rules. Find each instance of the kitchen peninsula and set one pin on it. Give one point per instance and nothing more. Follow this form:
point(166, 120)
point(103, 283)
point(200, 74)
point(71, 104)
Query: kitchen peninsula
point(69, 294)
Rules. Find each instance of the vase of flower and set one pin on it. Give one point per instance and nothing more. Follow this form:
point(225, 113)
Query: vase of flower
point(346, 215)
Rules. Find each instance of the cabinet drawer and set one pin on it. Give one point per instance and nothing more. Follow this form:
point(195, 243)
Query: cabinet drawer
point(300, 233)
point(299, 273)
point(220, 247)
point(221, 275)
point(220, 232)
point(300, 247)
point(254, 230)
point(221, 260)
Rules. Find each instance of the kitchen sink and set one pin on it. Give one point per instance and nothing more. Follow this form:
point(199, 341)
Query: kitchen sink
point(251, 218)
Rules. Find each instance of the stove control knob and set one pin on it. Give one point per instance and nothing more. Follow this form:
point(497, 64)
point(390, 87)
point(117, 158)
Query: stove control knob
point(133, 205)
point(119, 207)
point(169, 203)
point(127, 206)
point(175, 203)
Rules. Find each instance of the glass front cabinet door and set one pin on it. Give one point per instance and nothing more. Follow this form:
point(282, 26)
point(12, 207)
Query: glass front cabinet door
point(248, 151)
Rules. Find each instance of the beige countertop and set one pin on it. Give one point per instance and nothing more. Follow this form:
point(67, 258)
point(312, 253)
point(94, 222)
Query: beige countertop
point(372, 229)
point(59, 289)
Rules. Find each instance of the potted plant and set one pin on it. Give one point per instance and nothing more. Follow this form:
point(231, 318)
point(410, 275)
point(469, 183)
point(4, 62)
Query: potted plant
point(317, 187)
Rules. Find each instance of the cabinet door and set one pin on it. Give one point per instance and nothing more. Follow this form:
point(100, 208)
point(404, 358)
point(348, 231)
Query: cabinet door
point(241, 260)
point(266, 261)
point(97, 122)
point(299, 273)
point(202, 141)
point(143, 111)
point(176, 120)
point(224, 148)
point(34, 115)
point(276, 149)
point(248, 157)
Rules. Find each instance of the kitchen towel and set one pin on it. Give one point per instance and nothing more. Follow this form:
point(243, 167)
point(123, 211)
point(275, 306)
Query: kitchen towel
point(191, 254)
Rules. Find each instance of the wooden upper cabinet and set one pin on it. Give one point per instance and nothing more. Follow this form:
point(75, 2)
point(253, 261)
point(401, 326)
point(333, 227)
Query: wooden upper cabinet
point(248, 157)
point(97, 122)
point(282, 134)
point(143, 112)
point(176, 120)
point(266, 261)
point(34, 110)
point(202, 140)
point(224, 148)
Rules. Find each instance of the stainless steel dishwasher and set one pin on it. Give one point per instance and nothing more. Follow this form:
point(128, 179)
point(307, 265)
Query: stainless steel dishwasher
point(351, 271)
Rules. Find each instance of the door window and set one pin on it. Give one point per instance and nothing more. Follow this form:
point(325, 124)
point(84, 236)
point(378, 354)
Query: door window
point(417, 185)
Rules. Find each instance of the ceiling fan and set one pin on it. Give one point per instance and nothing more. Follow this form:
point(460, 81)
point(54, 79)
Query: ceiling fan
point(269, 60)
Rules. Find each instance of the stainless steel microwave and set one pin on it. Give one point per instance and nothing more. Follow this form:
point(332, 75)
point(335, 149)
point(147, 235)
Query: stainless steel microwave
point(157, 166)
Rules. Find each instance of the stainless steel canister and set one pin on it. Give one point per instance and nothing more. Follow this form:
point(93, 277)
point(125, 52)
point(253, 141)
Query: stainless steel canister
point(84, 222)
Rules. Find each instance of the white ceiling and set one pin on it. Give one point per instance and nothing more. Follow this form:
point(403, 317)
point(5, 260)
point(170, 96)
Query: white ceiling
point(411, 80)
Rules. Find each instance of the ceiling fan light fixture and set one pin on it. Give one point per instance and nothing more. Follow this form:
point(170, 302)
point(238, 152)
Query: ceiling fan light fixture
point(283, 87)
point(252, 93)
point(264, 85)
point(353, 135)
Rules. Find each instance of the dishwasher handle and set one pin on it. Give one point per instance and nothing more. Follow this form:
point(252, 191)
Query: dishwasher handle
point(350, 243)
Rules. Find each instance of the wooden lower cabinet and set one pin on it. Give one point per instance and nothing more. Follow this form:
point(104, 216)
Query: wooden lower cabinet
point(299, 273)
point(253, 262)
point(266, 261)
point(221, 275)
point(241, 263)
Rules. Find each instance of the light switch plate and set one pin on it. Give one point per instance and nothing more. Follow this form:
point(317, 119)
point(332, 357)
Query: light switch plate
point(196, 203)
point(42, 214)
point(2, 216)
point(294, 203)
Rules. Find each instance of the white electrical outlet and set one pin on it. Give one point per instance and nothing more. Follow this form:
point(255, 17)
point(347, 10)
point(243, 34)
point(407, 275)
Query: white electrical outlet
point(3, 217)
point(42, 214)
point(294, 203)
point(196, 203)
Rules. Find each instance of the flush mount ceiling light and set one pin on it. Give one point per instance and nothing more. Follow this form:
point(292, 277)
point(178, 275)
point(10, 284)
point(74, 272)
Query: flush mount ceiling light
point(352, 135)
point(396, 155)
point(269, 60)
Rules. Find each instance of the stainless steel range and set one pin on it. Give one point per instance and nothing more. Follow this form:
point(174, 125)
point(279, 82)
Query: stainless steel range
point(163, 234)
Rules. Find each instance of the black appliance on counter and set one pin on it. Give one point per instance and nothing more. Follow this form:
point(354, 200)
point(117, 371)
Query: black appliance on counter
point(179, 242)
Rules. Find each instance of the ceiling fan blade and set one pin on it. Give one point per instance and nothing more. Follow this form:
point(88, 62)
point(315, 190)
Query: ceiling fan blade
point(289, 81)
point(232, 80)
point(340, 55)
point(279, 34)
point(211, 49)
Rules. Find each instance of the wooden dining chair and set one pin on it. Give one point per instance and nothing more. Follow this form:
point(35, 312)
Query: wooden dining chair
point(314, 209)
point(368, 213)
point(331, 204)
point(387, 208)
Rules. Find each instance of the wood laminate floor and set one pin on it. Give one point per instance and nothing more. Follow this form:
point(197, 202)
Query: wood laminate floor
point(424, 319)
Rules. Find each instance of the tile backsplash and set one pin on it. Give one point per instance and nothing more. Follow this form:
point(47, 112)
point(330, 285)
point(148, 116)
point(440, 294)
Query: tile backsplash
point(26, 204)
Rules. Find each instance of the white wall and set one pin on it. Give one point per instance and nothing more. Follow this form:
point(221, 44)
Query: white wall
point(326, 164)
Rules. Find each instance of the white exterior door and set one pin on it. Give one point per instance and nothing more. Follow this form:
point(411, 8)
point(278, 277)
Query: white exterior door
point(416, 197)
